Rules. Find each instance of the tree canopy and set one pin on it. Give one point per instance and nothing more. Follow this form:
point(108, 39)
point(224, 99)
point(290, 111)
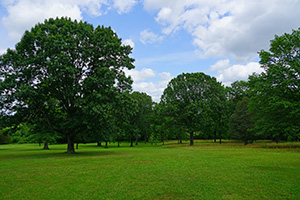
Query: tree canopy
point(65, 80)
point(275, 93)
point(241, 123)
point(66, 73)
point(194, 100)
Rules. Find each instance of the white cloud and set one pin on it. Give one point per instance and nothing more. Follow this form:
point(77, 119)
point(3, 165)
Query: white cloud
point(124, 6)
point(221, 64)
point(227, 73)
point(144, 74)
point(141, 82)
point(20, 18)
point(129, 42)
point(224, 28)
point(149, 37)
point(24, 14)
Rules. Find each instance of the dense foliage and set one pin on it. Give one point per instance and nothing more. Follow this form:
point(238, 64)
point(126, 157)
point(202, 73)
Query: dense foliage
point(275, 100)
point(65, 76)
point(194, 101)
point(65, 81)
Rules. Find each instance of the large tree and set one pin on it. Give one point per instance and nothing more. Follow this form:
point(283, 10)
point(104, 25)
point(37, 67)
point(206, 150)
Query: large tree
point(144, 106)
point(241, 122)
point(194, 100)
point(276, 97)
point(79, 67)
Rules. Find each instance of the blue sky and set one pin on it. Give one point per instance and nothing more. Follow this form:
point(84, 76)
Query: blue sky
point(169, 37)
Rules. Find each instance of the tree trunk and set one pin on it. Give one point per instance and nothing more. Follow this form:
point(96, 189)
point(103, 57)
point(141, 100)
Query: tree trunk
point(163, 142)
point(136, 141)
point(46, 145)
point(191, 138)
point(118, 142)
point(277, 139)
point(40, 144)
point(106, 145)
point(145, 139)
point(70, 144)
point(219, 130)
point(77, 145)
point(99, 144)
point(131, 142)
point(215, 136)
point(246, 142)
point(180, 141)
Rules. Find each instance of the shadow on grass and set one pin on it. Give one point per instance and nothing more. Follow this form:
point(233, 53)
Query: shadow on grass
point(56, 154)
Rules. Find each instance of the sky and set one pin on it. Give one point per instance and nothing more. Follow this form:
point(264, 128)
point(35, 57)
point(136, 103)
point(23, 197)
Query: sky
point(220, 38)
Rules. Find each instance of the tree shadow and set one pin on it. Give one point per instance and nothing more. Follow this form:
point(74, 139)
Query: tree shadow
point(55, 154)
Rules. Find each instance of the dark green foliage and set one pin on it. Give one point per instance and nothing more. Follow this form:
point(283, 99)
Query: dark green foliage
point(67, 78)
point(125, 118)
point(164, 126)
point(195, 101)
point(241, 123)
point(144, 111)
point(276, 98)
point(237, 91)
point(4, 139)
point(65, 75)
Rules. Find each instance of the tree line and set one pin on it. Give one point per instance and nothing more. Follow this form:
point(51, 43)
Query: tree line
point(65, 80)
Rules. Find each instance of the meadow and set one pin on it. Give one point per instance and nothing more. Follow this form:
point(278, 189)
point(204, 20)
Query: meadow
point(172, 171)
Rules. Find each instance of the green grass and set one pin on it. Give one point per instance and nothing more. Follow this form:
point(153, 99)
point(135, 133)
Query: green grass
point(204, 171)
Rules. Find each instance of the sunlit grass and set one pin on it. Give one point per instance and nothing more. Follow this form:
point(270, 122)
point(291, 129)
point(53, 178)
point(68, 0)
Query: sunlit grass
point(173, 171)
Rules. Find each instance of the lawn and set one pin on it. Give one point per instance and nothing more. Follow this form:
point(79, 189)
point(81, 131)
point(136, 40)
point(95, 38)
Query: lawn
point(172, 171)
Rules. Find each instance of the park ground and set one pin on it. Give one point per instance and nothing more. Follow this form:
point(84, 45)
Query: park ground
point(207, 170)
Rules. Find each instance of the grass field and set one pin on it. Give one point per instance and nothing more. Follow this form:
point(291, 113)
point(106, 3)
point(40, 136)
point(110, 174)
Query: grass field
point(204, 171)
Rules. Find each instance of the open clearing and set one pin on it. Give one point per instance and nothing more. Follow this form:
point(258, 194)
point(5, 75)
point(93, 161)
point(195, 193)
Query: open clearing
point(172, 171)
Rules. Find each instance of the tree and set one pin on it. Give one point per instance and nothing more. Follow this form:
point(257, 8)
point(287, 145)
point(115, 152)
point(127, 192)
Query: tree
point(241, 122)
point(194, 100)
point(79, 67)
point(125, 117)
point(237, 91)
point(217, 110)
point(275, 102)
point(162, 124)
point(144, 106)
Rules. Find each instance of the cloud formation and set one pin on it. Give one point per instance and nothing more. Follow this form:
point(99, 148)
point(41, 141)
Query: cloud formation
point(228, 73)
point(141, 82)
point(148, 37)
point(23, 14)
point(141, 75)
point(227, 28)
point(124, 6)
point(129, 42)
point(220, 28)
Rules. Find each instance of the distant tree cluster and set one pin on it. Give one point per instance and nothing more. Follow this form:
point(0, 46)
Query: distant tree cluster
point(65, 81)
point(267, 106)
